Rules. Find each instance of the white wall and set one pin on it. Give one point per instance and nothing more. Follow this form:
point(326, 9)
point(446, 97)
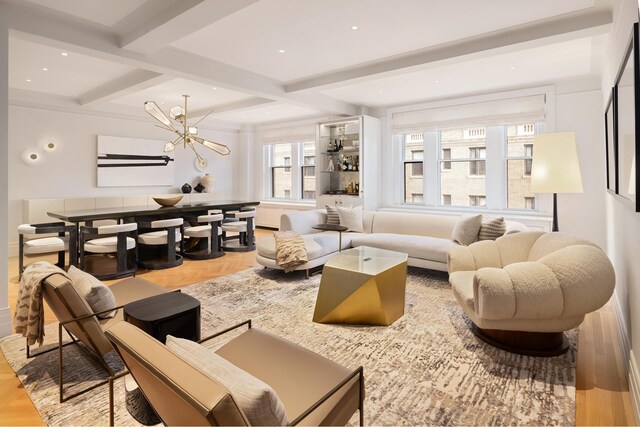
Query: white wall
point(623, 223)
point(584, 214)
point(5, 317)
point(71, 170)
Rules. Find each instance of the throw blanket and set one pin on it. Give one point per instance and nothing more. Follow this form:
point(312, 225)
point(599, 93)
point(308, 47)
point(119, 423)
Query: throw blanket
point(28, 318)
point(290, 250)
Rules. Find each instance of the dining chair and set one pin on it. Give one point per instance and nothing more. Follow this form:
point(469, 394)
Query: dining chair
point(209, 230)
point(99, 242)
point(241, 224)
point(157, 244)
point(37, 239)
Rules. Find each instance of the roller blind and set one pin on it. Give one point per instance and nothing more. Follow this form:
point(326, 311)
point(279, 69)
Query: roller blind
point(300, 133)
point(489, 113)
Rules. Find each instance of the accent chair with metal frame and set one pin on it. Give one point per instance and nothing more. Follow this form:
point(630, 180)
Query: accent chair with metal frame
point(32, 240)
point(314, 390)
point(158, 243)
point(119, 239)
point(82, 324)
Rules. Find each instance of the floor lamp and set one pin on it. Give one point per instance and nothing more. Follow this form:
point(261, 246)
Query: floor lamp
point(555, 167)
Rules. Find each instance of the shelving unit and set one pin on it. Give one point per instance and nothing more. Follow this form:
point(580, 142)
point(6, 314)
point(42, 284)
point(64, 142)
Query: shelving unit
point(343, 146)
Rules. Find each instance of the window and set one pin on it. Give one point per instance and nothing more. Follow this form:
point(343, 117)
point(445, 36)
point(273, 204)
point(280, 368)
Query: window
point(477, 167)
point(292, 170)
point(281, 171)
point(460, 175)
point(446, 155)
point(480, 201)
point(413, 168)
point(530, 203)
point(519, 159)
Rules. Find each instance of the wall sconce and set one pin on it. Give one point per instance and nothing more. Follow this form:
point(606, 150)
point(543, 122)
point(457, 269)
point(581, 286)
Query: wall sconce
point(31, 156)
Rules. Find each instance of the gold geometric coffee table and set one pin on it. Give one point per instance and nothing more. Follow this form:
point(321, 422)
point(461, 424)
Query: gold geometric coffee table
point(364, 286)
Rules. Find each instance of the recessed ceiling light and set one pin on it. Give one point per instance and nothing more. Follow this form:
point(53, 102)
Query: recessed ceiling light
point(354, 28)
point(437, 81)
point(28, 80)
point(281, 51)
point(45, 69)
point(214, 88)
point(512, 68)
point(379, 90)
point(64, 54)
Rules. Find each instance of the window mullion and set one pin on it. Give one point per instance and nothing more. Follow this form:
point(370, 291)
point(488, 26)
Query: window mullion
point(495, 169)
point(431, 168)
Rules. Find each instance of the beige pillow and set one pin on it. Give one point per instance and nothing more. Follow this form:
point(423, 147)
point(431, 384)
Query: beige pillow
point(351, 218)
point(258, 401)
point(97, 294)
point(492, 228)
point(465, 232)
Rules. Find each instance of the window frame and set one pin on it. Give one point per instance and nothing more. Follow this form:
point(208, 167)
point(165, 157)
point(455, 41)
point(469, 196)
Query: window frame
point(294, 166)
point(412, 162)
point(525, 158)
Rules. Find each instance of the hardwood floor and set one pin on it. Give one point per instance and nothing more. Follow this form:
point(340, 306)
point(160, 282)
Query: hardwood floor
point(602, 391)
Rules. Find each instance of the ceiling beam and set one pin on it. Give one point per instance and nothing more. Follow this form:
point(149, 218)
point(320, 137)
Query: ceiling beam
point(155, 25)
point(245, 104)
point(134, 81)
point(35, 23)
point(554, 30)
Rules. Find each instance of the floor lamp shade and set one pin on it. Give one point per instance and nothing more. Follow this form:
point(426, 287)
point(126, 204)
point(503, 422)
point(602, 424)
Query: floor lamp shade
point(555, 166)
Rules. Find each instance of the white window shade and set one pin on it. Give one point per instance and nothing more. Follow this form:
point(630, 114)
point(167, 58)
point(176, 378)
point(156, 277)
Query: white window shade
point(277, 135)
point(519, 110)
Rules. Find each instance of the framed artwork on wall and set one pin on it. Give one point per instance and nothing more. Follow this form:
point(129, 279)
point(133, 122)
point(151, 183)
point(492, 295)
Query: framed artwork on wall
point(627, 122)
point(611, 151)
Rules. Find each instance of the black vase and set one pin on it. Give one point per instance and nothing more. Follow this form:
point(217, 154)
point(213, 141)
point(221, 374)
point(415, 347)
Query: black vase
point(198, 188)
point(186, 188)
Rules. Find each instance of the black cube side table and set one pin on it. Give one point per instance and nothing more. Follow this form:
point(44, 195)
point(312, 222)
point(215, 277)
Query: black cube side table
point(173, 313)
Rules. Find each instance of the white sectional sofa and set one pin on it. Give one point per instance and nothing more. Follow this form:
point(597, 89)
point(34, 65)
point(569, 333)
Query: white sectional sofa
point(426, 238)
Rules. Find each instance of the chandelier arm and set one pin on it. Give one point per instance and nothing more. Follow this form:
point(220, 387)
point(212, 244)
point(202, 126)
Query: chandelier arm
point(221, 149)
point(190, 144)
point(204, 117)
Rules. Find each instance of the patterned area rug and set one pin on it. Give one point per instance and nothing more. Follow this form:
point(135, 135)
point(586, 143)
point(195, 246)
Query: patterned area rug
point(425, 369)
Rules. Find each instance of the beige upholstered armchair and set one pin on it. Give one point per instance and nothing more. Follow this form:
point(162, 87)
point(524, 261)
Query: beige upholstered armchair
point(523, 290)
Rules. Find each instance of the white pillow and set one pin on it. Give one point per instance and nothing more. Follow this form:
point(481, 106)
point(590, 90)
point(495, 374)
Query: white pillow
point(351, 218)
point(258, 401)
point(465, 232)
point(97, 294)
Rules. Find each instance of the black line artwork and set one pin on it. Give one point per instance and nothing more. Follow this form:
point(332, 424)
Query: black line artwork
point(107, 160)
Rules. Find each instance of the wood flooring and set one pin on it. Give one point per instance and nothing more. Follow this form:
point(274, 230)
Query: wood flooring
point(602, 390)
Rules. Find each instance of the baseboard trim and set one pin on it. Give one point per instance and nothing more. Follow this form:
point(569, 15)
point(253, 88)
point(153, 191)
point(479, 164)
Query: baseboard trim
point(634, 385)
point(5, 322)
point(622, 333)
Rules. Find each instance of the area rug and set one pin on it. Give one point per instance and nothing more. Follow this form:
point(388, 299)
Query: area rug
point(425, 369)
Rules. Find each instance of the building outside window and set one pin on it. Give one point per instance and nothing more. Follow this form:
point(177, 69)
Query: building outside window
point(292, 171)
point(413, 155)
point(479, 201)
point(460, 175)
point(519, 159)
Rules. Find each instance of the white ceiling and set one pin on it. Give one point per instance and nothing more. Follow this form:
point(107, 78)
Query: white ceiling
point(317, 35)
point(238, 53)
point(103, 12)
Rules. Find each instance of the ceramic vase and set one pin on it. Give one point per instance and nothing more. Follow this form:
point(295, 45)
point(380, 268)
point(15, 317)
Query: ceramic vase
point(208, 181)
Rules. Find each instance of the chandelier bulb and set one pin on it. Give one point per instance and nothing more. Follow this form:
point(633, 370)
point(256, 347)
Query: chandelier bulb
point(169, 146)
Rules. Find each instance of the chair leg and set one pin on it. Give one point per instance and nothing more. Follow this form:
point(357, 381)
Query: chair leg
point(20, 255)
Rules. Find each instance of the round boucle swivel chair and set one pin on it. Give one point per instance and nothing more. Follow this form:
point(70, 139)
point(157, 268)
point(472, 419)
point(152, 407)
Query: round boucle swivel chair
point(523, 290)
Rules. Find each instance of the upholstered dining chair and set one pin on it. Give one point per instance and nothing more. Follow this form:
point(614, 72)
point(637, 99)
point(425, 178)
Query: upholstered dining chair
point(81, 323)
point(241, 223)
point(36, 239)
point(158, 243)
point(119, 239)
point(312, 390)
point(208, 230)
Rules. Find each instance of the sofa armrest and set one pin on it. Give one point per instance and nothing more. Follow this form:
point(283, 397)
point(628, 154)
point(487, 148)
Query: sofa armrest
point(302, 221)
point(523, 290)
point(473, 257)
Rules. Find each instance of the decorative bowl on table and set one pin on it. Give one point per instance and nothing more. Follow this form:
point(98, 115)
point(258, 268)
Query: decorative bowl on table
point(167, 201)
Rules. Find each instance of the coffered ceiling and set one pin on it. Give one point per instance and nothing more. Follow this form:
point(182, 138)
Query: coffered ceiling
point(261, 61)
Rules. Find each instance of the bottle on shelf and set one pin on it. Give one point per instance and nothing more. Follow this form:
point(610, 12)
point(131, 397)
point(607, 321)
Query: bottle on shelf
point(331, 166)
point(345, 165)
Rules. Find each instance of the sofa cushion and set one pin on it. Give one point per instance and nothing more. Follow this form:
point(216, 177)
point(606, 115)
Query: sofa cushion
point(466, 230)
point(257, 400)
point(422, 247)
point(317, 244)
point(351, 218)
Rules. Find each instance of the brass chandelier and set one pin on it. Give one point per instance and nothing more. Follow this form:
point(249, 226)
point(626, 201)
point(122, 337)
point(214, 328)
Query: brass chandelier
point(187, 135)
